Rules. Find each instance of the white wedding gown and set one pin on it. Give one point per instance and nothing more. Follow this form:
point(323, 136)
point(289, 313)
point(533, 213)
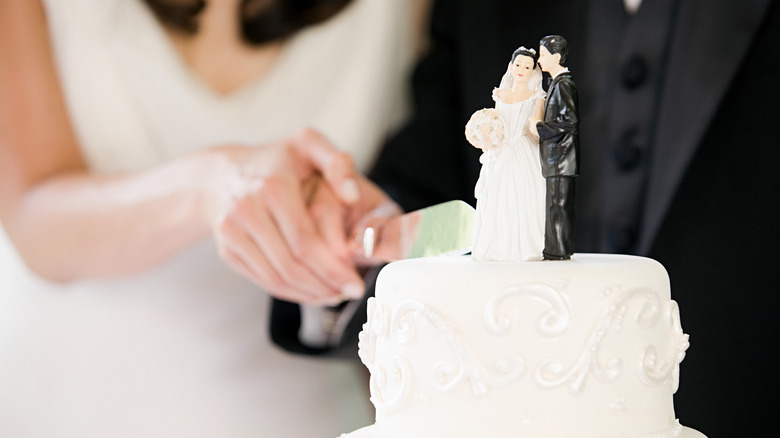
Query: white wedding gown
point(183, 350)
point(510, 191)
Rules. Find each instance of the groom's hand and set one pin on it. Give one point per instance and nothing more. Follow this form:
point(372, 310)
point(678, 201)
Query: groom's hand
point(341, 225)
point(532, 127)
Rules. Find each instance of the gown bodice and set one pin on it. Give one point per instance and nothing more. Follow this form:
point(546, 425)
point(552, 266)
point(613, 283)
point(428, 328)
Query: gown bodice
point(515, 117)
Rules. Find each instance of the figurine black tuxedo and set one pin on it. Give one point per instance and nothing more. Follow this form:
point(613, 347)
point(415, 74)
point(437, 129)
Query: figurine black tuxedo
point(559, 149)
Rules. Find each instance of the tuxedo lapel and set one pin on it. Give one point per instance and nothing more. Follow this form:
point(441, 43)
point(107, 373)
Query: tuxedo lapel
point(551, 86)
point(703, 62)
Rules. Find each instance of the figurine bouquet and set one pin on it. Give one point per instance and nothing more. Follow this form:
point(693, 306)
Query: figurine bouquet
point(485, 129)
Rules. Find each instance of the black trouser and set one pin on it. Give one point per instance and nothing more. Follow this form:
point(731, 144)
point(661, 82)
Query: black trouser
point(559, 227)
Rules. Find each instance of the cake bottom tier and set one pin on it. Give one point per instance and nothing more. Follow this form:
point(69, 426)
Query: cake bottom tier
point(374, 432)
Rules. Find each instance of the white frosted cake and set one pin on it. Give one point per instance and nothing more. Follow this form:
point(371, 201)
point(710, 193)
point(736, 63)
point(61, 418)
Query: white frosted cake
point(460, 348)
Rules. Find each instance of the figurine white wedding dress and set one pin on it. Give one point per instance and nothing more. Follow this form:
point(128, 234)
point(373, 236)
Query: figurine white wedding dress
point(183, 350)
point(510, 190)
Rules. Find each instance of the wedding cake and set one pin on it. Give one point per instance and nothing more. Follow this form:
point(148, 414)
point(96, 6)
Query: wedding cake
point(498, 344)
point(461, 348)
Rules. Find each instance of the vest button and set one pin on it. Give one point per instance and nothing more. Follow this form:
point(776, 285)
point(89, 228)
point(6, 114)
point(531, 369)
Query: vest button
point(621, 239)
point(628, 154)
point(634, 72)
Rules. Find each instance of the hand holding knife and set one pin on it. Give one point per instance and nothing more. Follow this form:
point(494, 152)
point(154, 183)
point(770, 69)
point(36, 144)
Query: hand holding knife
point(446, 228)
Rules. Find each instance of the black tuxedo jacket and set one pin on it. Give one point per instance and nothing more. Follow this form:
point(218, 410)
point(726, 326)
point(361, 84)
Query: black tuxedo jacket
point(559, 140)
point(680, 145)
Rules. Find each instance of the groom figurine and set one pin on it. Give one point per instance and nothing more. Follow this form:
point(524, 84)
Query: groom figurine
point(559, 148)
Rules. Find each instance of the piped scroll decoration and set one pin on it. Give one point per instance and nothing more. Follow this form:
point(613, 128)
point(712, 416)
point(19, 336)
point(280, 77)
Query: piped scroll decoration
point(390, 386)
point(653, 370)
point(467, 367)
point(552, 372)
point(641, 307)
point(554, 321)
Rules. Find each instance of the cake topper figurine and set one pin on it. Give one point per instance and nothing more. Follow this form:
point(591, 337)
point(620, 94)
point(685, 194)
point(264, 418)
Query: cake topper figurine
point(558, 134)
point(510, 191)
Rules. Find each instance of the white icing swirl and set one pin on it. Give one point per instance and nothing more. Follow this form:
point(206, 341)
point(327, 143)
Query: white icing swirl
point(653, 370)
point(554, 322)
point(552, 372)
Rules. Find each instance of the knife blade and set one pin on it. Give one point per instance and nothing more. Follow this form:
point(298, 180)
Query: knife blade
point(442, 229)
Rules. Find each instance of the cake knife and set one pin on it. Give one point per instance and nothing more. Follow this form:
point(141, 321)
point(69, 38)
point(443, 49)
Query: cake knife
point(442, 229)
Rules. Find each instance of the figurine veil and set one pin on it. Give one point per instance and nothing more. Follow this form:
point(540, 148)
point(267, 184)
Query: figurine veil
point(534, 83)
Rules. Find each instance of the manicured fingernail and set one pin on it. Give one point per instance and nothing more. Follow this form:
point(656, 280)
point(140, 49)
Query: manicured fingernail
point(352, 290)
point(349, 190)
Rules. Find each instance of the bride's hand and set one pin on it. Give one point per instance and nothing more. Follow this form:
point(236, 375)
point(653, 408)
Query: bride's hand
point(262, 225)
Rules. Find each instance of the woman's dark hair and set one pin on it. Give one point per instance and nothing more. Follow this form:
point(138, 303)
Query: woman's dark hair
point(261, 20)
point(531, 53)
point(556, 44)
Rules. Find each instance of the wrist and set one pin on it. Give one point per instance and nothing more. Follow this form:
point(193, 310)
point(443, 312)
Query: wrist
point(212, 172)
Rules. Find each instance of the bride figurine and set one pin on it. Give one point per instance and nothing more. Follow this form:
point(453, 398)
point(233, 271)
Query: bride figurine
point(510, 190)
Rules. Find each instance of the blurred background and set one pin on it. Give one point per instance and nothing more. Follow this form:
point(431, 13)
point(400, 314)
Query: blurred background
point(139, 291)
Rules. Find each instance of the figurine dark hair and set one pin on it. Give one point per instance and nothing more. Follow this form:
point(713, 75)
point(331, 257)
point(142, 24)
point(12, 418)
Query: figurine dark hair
point(531, 53)
point(261, 20)
point(556, 44)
